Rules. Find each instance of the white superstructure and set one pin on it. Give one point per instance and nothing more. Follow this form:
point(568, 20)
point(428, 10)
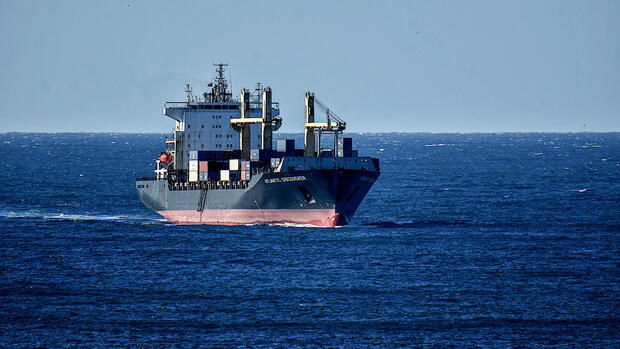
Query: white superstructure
point(203, 122)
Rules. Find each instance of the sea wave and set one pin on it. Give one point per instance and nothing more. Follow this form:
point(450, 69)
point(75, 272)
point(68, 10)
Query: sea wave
point(59, 216)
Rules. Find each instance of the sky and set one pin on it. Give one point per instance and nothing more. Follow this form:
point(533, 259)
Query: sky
point(382, 66)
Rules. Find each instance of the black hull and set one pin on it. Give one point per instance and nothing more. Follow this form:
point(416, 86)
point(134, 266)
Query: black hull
point(319, 197)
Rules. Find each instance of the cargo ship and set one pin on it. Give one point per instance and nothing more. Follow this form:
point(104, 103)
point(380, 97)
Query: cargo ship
point(220, 167)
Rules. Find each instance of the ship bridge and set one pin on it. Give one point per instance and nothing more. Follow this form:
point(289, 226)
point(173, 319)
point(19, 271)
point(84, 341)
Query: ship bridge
point(203, 121)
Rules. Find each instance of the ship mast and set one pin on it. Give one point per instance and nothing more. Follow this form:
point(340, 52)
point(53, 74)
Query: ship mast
point(219, 91)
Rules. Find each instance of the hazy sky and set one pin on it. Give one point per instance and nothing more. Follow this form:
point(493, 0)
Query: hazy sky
point(417, 66)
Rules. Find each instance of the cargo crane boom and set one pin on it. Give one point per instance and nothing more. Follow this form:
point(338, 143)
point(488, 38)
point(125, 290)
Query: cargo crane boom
point(334, 124)
point(242, 124)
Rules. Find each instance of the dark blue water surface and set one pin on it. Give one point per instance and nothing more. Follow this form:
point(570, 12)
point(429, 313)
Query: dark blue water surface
point(465, 240)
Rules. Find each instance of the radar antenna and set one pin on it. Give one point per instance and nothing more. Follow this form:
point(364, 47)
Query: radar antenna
point(219, 92)
point(188, 90)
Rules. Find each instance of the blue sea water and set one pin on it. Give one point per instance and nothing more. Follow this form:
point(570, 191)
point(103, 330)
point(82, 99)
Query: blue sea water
point(488, 240)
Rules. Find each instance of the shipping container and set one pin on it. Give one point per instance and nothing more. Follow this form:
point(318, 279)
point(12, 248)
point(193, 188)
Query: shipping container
point(206, 155)
point(214, 166)
point(245, 175)
point(227, 154)
point(193, 176)
point(326, 154)
point(281, 145)
point(213, 175)
point(275, 162)
point(203, 176)
point(233, 164)
point(290, 144)
point(193, 155)
point(265, 154)
point(254, 154)
point(193, 165)
point(224, 175)
point(234, 175)
point(203, 166)
point(347, 147)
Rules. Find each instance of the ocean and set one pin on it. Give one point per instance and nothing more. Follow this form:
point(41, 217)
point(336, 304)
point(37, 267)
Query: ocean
point(489, 240)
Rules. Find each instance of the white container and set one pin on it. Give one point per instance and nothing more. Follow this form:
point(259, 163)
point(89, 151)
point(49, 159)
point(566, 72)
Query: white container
point(193, 176)
point(245, 175)
point(254, 154)
point(244, 165)
point(224, 175)
point(281, 145)
point(275, 162)
point(193, 165)
point(233, 165)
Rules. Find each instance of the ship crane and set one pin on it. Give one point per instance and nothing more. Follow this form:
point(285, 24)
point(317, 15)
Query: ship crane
point(333, 124)
point(242, 124)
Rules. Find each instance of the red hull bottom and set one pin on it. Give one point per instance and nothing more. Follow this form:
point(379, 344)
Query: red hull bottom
point(318, 217)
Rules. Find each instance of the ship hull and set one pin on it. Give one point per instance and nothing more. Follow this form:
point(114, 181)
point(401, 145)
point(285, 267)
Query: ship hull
point(317, 197)
point(316, 217)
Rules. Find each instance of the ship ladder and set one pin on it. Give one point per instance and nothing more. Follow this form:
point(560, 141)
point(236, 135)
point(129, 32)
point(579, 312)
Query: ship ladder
point(201, 200)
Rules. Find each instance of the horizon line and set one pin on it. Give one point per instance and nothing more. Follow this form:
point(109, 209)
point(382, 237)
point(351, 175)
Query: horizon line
point(351, 132)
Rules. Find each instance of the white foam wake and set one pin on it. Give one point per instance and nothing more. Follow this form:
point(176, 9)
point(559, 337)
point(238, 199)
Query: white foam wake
point(76, 217)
